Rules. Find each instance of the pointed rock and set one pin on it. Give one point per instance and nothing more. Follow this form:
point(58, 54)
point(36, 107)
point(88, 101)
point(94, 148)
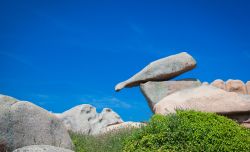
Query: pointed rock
point(162, 69)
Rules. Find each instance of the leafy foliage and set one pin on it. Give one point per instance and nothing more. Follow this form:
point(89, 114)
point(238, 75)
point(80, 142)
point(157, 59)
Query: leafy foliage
point(188, 131)
point(109, 142)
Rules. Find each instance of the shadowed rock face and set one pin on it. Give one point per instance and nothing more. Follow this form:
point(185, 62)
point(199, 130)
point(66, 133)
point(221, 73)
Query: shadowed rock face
point(236, 86)
point(85, 119)
point(207, 99)
point(155, 91)
point(162, 69)
point(41, 148)
point(23, 123)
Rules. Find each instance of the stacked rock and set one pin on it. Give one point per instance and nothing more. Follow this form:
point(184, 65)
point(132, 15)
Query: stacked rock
point(165, 96)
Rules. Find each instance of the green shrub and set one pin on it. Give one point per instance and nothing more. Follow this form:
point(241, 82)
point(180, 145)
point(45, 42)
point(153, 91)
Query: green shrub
point(189, 131)
point(109, 142)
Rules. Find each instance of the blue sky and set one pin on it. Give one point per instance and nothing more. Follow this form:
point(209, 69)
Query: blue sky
point(59, 54)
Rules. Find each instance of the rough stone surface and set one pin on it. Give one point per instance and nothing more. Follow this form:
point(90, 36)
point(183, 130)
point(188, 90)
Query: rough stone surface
point(23, 123)
point(155, 91)
point(162, 69)
point(85, 119)
point(207, 99)
point(236, 86)
point(124, 125)
point(248, 87)
point(41, 148)
point(219, 84)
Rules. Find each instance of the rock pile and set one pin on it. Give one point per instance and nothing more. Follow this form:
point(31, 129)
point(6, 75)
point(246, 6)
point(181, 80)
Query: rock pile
point(165, 96)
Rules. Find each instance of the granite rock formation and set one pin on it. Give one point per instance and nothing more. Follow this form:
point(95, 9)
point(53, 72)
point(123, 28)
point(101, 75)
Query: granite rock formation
point(219, 84)
point(207, 99)
point(236, 86)
point(155, 91)
point(85, 119)
point(162, 69)
point(23, 123)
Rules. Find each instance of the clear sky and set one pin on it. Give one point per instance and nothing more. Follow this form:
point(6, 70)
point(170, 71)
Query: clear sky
point(59, 54)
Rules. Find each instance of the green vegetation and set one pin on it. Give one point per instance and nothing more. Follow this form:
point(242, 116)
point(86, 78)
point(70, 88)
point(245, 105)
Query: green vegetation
point(185, 131)
point(110, 142)
point(189, 131)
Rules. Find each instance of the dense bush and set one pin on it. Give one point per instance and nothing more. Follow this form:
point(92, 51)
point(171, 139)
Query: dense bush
point(188, 131)
point(109, 142)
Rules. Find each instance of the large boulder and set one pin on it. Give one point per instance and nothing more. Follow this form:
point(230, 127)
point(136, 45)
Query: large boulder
point(219, 84)
point(207, 99)
point(155, 91)
point(162, 69)
point(23, 123)
point(236, 86)
point(85, 119)
point(41, 148)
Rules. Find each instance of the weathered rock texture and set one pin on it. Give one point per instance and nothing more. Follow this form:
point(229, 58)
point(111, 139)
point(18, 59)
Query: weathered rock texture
point(207, 99)
point(248, 87)
point(41, 148)
point(219, 84)
point(236, 86)
point(155, 91)
point(124, 125)
point(162, 69)
point(85, 119)
point(23, 123)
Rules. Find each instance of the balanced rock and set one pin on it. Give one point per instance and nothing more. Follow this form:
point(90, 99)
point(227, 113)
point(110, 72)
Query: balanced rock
point(41, 148)
point(85, 119)
point(23, 123)
point(248, 87)
point(162, 69)
point(236, 86)
point(219, 84)
point(206, 99)
point(155, 91)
